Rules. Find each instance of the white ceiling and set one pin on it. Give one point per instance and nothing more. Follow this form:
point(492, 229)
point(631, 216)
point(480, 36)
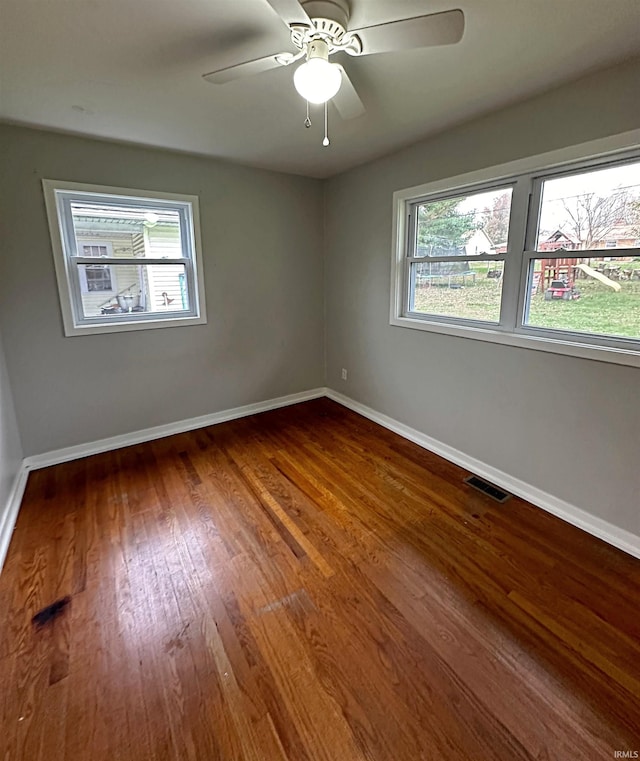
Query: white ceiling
point(131, 70)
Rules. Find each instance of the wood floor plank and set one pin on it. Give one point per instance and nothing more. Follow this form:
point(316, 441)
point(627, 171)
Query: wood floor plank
point(303, 585)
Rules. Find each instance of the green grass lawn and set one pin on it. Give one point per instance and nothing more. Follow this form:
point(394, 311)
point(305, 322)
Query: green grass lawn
point(474, 302)
point(599, 309)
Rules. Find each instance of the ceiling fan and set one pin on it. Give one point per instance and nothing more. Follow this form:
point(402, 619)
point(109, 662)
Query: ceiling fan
point(320, 28)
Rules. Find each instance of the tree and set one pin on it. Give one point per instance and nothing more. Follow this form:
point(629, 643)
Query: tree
point(591, 217)
point(633, 213)
point(442, 227)
point(495, 220)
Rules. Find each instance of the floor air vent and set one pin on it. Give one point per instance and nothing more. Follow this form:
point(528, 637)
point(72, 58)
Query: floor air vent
point(486, 488)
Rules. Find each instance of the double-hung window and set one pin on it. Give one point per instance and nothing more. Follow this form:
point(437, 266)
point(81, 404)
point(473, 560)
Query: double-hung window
point(125, 259)
point(589, 287)
point(548, 259)
point(458, 248)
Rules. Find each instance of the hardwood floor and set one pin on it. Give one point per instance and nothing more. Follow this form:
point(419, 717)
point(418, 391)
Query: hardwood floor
point(305, 585)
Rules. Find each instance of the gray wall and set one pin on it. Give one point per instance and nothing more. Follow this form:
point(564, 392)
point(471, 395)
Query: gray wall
point(568, 426)
point(10, 447)
point(262, 241)
point(262, 236)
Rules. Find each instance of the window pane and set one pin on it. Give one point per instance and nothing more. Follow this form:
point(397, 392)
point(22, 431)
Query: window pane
point(465, 226)
point(149, 288)
point(594, 295)
point(466, 289)
point(90, 249)
point(98, 277)
point(595, 210)
point(122, 231)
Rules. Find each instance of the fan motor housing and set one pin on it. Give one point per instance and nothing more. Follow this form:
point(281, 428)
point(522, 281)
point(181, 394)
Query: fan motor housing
point(327, 11)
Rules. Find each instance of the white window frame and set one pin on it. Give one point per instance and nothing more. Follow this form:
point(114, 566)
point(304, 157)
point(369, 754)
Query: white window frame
point(523, 176)
point(409, 258)
point(59, 194)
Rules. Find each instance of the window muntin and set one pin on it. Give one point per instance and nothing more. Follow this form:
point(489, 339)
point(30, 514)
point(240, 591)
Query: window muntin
point(149, 270)
point(457, 248)
point(590, 318)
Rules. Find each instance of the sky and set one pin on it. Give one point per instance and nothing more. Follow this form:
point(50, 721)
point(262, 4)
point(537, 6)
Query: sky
point(602, 182)
point(566, 190)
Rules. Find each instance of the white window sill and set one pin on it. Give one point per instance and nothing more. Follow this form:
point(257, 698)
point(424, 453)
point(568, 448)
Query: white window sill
point(524, 340)
point(121, 327)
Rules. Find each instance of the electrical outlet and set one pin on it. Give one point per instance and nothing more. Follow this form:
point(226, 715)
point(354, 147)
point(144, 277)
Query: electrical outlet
point(344, 374)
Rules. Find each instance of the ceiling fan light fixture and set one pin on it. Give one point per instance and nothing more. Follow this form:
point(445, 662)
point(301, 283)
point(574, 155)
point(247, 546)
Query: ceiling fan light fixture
point(317, 80)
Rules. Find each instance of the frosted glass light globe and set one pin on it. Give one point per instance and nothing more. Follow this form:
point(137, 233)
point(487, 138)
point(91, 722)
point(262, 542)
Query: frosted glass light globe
point(317, 80)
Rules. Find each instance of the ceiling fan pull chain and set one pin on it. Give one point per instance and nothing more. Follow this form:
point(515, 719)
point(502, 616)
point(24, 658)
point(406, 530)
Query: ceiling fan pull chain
point(326, 140)
point(307, 121)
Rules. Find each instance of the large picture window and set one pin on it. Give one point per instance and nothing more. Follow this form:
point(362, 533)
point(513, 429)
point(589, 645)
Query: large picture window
point(125, 260)
point(549, 259)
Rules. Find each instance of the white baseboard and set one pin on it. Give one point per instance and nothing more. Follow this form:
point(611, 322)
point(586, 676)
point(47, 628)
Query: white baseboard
point(9, 515)
point(58, 456)
point(618, 537)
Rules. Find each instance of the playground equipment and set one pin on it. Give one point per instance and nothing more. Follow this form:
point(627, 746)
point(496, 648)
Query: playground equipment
point(553, 270)
point(598, 276)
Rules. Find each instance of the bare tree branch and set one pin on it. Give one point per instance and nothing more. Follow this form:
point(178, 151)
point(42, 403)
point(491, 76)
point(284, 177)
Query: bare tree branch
point(591, 218)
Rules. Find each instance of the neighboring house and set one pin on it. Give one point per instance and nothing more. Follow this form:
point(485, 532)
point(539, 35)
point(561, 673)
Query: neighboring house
point(478, 242)
point(146, 287)
point(557, 240)
point(620, 236)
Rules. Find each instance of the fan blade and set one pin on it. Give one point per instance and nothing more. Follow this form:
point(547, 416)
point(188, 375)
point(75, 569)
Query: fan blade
point(247, 69)
point(347, 101)
point(291, 12)
point(420, 32)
